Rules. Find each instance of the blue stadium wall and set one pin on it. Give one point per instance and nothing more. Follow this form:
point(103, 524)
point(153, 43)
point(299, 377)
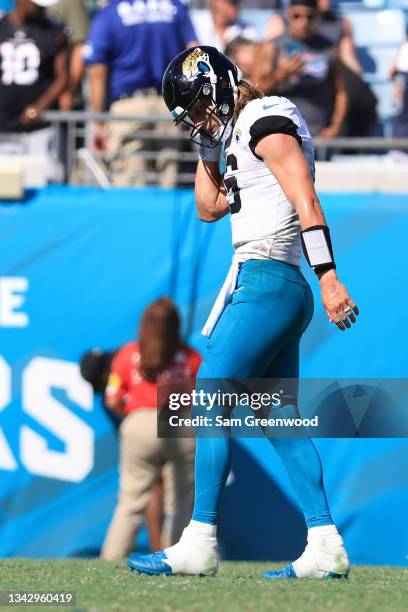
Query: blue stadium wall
point(77, 268)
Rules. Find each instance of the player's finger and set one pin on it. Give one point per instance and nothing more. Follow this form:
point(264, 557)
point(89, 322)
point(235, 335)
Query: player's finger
point(348, 311)
point(353, 306)
point(344, 319)
point(336, 319)
point(345, 312)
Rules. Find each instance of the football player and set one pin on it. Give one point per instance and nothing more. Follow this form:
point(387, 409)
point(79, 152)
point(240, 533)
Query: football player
point(265, 304)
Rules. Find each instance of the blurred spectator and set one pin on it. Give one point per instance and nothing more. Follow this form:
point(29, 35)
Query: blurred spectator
point(132, 43)
point(305, 67)
point(222, 24)
point(33, 74)
point(137, 368)
point(74, 15)
point(331, 25)
point(95, 366)
point(361, 115)
point(242, 53)
point(399, 75)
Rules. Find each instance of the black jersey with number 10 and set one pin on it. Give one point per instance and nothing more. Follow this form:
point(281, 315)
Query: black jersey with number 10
point(27, 57)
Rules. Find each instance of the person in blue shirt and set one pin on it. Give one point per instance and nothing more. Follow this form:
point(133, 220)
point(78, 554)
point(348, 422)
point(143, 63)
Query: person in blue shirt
point(129, 47)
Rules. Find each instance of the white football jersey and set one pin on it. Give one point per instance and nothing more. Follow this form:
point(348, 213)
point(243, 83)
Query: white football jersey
point(264, 223)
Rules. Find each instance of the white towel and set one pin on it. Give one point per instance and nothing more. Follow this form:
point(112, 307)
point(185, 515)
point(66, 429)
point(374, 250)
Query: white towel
point(224, 297)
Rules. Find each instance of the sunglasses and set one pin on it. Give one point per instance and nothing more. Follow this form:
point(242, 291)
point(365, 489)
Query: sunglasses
point(308, 16)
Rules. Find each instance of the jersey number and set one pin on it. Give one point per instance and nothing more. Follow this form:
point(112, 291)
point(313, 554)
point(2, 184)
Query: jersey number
point(231, 184)
point(19, 64)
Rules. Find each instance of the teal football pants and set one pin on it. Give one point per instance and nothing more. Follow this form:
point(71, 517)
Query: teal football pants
point(257, 336)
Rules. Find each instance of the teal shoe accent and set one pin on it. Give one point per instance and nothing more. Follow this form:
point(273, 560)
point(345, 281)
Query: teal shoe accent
point(153, 565)
point(286, 573)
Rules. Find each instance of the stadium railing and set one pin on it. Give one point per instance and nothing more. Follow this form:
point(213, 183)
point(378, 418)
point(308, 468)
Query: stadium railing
point(83, 165)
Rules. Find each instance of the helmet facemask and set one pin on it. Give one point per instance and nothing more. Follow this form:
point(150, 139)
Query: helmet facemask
point(200, 88)
point(207, 120)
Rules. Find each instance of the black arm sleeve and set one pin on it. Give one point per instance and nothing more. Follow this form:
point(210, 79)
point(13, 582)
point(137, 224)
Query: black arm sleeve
point(272, 124)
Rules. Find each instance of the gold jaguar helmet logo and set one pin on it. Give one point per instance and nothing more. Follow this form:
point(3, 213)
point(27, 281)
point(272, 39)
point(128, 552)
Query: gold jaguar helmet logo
point(196, 63)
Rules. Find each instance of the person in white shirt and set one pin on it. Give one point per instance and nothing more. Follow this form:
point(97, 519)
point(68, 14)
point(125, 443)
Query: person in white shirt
point(221, 24)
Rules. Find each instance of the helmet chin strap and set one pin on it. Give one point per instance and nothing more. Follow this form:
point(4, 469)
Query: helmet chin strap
point(227, 132)
point(234, 83)
point(213, 81)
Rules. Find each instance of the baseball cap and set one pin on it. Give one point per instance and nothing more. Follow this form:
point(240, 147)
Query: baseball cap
point(45, 3)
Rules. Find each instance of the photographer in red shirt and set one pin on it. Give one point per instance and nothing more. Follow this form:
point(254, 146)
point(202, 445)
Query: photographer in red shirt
point(136, 370)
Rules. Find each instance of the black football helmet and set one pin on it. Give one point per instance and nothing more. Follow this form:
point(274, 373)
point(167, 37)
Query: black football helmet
point(198, 81)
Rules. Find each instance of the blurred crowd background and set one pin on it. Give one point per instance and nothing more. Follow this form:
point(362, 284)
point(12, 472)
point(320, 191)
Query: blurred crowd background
point(344, 64)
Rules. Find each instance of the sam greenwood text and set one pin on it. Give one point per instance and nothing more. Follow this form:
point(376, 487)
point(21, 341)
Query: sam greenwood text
point(249, 421)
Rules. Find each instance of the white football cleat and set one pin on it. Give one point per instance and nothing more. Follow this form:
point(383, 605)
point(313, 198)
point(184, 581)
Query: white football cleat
point(324, 558)
point(195, 554)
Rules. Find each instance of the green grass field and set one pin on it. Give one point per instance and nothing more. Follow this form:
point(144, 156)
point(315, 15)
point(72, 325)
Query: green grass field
point(104, 585)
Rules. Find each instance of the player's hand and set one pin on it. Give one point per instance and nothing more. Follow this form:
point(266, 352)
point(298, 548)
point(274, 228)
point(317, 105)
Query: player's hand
point(31, 114)
point(288, 66)
point(337, 303)
point(98, 137)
